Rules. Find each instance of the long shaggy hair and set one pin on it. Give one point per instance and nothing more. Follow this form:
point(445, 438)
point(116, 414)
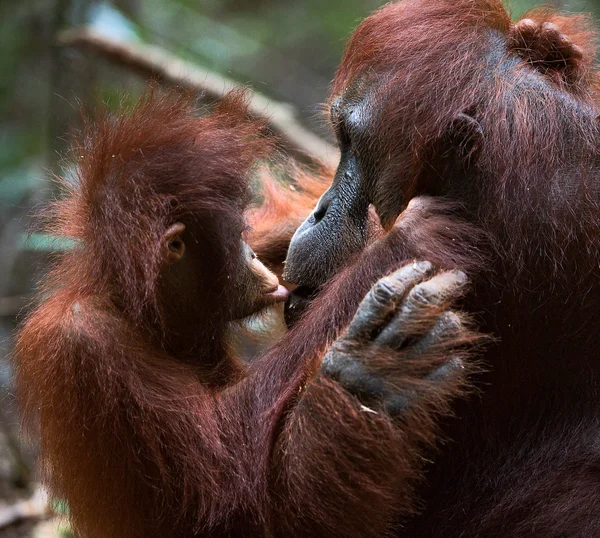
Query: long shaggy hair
point(435, 60)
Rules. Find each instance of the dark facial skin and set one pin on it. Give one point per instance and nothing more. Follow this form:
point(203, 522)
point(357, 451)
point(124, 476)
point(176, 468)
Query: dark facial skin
point(338, 227)
point(256, 288)
point(371, 161)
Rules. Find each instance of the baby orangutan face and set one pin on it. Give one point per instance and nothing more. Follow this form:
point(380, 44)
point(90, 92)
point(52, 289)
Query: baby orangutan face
point(256, 288)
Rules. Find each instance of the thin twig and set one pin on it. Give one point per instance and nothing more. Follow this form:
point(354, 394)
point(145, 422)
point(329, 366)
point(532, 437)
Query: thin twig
point(154, 62)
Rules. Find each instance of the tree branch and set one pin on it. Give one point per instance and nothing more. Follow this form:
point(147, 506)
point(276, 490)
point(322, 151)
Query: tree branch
point(154, 62)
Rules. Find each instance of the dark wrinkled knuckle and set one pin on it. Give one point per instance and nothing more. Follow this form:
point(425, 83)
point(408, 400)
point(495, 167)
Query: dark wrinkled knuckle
point(422, 267)
point(353, 376)
point(415, 270)
point(526, 27)
point(365, 386)
point(527, 23)
point(397, 404)
point(451, 321)
point(330, 366)
point(564, 41)
point(550, 28)
point(383, 291)
point(422, 295)
point(451, 370)
point(362, 316)
point(576, 52)
point(452, 281)
point(460, 276)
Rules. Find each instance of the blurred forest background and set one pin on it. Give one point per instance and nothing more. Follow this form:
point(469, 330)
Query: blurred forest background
point(286, 50)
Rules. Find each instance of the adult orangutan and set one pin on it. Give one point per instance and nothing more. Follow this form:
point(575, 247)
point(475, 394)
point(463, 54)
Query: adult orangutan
point(149, 424)
point(450, 101)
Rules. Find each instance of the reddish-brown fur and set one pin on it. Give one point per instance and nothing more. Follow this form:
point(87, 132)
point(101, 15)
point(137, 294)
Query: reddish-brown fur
point(150, 428)
point(281, 210)
point(524, 457)
point(306, 487)
point(119, 417)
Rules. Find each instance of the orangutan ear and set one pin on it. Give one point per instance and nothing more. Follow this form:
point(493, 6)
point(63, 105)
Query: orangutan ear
point(175, 247)
point(466, 135)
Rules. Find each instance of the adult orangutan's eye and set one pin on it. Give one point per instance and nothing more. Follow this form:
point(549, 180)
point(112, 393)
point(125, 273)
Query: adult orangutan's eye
point(342, 134)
